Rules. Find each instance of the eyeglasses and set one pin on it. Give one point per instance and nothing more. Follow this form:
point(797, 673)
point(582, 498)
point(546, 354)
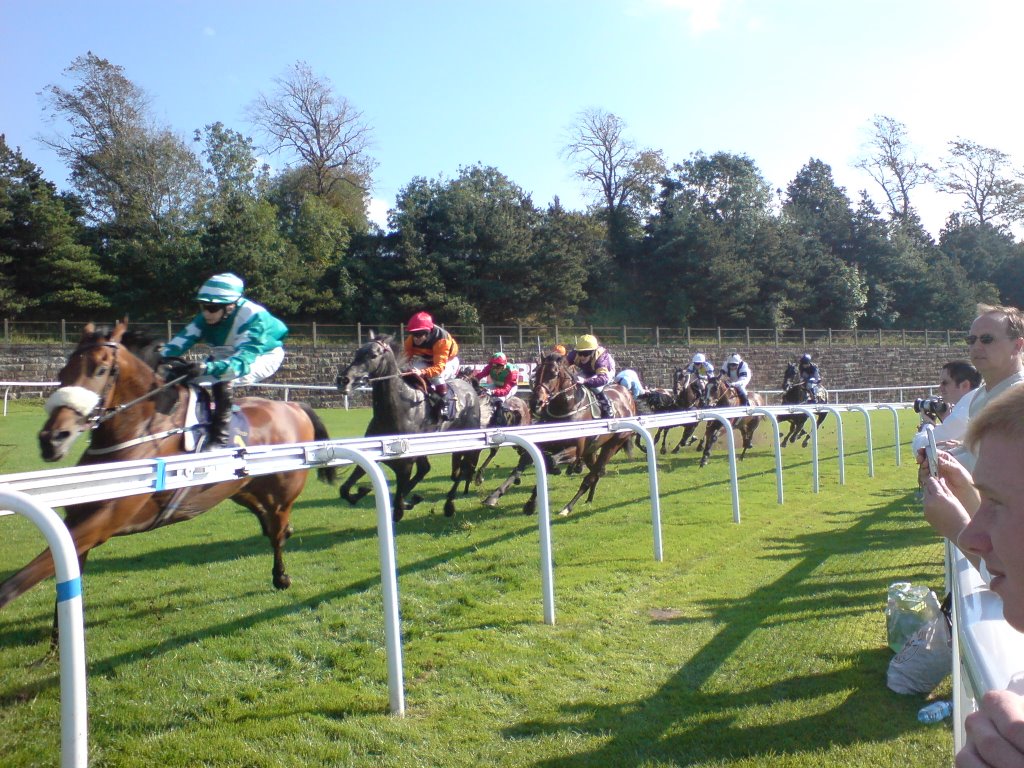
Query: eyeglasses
point(418, 333)
point(212, 307)
point(985, 338)
point(584, 352)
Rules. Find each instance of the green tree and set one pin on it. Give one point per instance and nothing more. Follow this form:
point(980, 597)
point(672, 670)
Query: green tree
point(45, 267)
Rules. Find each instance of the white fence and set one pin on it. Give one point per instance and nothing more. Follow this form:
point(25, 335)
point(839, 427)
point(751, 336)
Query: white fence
point(51, 488)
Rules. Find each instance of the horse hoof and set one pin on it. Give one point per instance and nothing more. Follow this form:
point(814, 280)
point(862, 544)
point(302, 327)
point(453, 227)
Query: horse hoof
point(565, 512)
point(289, 531)
point(413, 501)
point(517, 481)
point(478, 480)
point(449, 509)
point(283, 581)
point(528, 509)
point(491, 502)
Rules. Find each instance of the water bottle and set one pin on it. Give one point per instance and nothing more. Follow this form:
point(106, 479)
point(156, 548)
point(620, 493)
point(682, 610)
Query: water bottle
point(935, 712)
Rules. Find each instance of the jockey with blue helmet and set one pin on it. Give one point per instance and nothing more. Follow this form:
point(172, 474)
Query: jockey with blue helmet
point(246, 346)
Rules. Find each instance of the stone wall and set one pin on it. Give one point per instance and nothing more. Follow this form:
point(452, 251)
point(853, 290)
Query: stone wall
point(842, 367)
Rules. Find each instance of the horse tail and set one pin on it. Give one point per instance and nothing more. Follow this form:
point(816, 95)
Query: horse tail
point(324, 474)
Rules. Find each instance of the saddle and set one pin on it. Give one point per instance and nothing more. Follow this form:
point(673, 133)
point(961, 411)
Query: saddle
point(199, 414)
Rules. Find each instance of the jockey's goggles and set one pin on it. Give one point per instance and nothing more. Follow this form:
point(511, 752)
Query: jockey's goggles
point(210, 307)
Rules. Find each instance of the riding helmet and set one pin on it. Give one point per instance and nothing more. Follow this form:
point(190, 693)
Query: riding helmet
point(805, 359)
point(498, 358)
point(699, 359)
point(735, 359)
point(421, 321)
point(224, 288)
point(587, 343)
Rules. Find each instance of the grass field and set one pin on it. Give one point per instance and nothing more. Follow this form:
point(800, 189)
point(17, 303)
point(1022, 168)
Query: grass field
point(754, 644)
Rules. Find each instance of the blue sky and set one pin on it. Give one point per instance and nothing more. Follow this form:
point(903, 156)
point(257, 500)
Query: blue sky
point(447, 84)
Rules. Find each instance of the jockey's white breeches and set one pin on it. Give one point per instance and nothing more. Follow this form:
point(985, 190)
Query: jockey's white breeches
point(451, 369)
point(263, 367)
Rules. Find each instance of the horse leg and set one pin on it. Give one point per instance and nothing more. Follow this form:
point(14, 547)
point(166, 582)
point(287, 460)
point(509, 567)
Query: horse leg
point(514, 479)
point(531, 504)
point(345, 491)
point(422, 468)
point(710, 436)
point(467, 464)
point(478, 476)
point(577, 465)
point(270, 498)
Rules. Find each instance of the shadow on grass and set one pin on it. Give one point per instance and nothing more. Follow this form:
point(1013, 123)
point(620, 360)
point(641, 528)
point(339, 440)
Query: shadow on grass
point(685, 721)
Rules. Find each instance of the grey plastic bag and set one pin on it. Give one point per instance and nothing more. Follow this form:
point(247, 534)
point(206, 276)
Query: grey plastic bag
point(908, 608)
point(925, 660)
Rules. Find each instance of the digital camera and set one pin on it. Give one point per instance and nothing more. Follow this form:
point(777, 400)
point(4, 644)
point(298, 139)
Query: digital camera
point(933, 406)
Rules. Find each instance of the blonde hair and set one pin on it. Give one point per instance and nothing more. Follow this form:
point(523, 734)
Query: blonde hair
point(1003, 416)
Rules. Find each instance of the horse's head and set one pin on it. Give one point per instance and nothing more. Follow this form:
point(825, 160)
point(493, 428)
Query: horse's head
point(789, 376)
point(551, 378)
point(99, 374)
point(372, 360)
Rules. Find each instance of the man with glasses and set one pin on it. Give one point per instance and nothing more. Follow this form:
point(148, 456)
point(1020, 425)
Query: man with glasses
point(596, 369)
point(433, 354)
point(246, 346)
point(995, 345)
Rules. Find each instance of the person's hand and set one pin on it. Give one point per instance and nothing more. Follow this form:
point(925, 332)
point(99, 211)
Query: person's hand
point(580, 379)
point(183, 368)
point(994, 735)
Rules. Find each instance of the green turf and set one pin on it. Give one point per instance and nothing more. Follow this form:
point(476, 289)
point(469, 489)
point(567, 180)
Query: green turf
point(754, 644)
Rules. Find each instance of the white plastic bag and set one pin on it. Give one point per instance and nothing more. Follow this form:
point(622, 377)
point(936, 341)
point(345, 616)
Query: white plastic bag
point(925, 660)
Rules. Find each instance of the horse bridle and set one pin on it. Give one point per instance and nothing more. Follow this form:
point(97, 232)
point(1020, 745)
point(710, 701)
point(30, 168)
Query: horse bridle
point(552, 394)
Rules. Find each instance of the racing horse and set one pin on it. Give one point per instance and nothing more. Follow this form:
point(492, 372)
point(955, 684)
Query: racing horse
point(723, 395)
point(556, 398)
point(133, 414)
point(796, 392)
point(401, 406)
point(514, 413)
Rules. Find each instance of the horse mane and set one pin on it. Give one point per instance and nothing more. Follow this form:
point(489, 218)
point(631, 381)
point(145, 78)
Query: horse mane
point(144, 346)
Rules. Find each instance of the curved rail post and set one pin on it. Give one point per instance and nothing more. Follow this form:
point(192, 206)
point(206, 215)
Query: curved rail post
point(547, 578)
point(652, 478)
point(778, 447)
point(812, 419)
point(839, 440)
point(74, 738)
point(388, 568)
point(867, 429)
point(731, 440)
point(896, 427)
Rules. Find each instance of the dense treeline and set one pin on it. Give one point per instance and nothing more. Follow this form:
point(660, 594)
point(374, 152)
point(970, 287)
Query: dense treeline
point(704, 241)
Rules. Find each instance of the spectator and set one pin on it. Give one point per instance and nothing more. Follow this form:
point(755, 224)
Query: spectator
point(984, 515)
point(958, 385)
point(994, 345)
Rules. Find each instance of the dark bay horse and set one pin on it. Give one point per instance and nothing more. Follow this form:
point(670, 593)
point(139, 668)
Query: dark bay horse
point(725, 396)
point(796, 392)
point(133, 414)
point(399, 408)
point(558, 398)
point(515, 413)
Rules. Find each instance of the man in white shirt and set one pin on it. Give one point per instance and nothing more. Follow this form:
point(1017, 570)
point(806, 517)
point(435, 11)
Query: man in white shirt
point(958, 384)
point(995, 344)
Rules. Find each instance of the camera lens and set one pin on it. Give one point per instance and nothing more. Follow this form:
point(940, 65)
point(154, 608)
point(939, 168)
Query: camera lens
point(918, 404)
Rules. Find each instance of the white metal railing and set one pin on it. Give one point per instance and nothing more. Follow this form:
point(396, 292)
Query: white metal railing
point(989, 650)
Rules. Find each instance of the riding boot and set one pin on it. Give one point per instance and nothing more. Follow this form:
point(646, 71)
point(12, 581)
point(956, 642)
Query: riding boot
point(498, 419)
point(220, 423)
point(444, 402)
point(606, 407)
point(744, 400)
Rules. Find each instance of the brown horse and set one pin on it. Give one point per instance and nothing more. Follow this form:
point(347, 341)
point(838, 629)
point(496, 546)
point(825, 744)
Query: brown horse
point(133, 414)
point(558, 398)
point(725, 396)
point(797, 393)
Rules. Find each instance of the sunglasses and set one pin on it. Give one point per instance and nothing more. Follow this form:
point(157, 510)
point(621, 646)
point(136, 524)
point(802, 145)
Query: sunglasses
point(584, 352)
point(212, 307)
point(418, 333)
point(985, 338)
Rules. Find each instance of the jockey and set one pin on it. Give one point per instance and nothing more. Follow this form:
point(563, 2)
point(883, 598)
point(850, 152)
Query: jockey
point(811, 376)
point(737, 374)
point(703, 370)
point(246, 346)
point(596, 367)
point(432, 354)
point(502, 382)
point(629, 379)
